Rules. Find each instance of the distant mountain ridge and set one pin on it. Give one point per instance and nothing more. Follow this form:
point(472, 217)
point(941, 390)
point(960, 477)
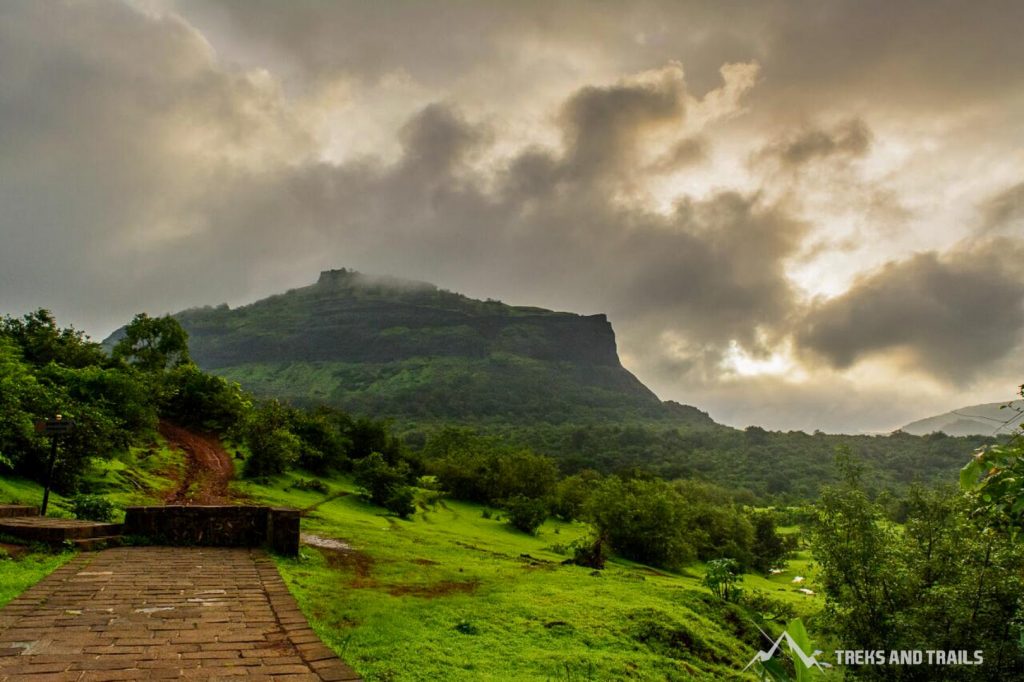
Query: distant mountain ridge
point(406, 349)
point(987, 419)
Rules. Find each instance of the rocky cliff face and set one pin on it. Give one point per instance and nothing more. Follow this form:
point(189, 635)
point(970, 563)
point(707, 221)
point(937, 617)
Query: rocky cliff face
point(396, 348)
point(350, 317)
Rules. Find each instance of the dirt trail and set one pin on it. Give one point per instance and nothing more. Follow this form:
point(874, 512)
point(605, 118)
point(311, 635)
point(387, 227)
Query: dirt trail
point(208, 467)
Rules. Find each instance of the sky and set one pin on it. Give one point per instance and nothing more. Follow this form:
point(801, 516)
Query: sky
point(802, 214)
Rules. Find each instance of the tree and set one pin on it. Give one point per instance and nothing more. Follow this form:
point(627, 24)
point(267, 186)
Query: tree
point(272, 447)
point(191, 397)
point(643, 521)
point(526, 513)
point(385, 484)
point(994, 482)
point(572, 493)
point(768, 548)
point(722, 577)
point(153, 343)
point(943, 582)
point(42, 341)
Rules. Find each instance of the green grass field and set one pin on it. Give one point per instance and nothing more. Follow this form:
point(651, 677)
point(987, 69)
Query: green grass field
point(453, 595)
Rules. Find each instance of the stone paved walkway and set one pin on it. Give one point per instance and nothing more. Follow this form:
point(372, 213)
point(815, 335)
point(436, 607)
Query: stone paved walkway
point(140, 613)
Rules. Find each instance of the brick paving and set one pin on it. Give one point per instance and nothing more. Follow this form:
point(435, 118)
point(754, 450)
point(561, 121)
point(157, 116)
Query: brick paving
point(141, 613)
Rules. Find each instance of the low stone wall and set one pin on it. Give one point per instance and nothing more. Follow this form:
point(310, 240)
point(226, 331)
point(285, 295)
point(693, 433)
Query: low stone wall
point(217, 526)
point(8, 511)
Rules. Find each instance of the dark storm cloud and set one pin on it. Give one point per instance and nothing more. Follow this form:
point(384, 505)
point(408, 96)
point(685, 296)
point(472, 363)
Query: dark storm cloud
point(952, 314)
point(550, 227)
point(820, 53)
point(1003, 210)
point(116, 127)
point(850, 139)
point(153, 161)
point(682, 154)
point(602, 125)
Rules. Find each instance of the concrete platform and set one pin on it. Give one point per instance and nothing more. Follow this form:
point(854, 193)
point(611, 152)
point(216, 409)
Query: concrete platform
point(56, 531)
point(13, 510)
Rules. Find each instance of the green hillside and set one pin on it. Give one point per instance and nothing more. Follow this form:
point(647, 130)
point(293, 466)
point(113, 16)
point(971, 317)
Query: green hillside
point(424, 358)
point(414, 352)
point(987, 419)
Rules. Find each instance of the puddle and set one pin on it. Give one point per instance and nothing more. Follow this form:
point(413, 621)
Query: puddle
point(324, 543)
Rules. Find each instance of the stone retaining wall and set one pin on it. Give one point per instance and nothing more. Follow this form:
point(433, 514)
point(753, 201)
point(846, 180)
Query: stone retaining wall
point(217, 526)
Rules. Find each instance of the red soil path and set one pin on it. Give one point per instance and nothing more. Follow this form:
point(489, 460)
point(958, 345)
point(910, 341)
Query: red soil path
point(208, 467)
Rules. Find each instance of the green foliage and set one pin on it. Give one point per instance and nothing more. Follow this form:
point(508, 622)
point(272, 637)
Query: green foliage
point(722, 577)
point(994, 482)
point(766, 608)
point(45, 370)
point(193, 398)
point(41, 341)
point(572, 493)
point(942, 582)
point(326, 439)
point(590, 552)
point(525, 513)
point(666, 635)
point(92, 508)
point(153, 343)
point(18, 573)
point(386, 484)
point(643, 521)
point(415, 581)
point(768, 549)
point(313, 484)
point(484, 470)
point(272, 446)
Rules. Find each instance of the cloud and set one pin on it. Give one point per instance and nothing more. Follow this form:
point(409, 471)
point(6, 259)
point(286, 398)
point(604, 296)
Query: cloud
point(684, 153)
point(602, 126)
point(951, 315)
point(848, 140)
point(116, 130)
point(164, 154)
point(1003, 210)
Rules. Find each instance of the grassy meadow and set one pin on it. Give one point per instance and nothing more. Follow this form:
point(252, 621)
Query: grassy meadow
point(466, 597)
point(455, 593)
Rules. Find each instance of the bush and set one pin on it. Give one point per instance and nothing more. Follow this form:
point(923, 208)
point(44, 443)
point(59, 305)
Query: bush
point(400, 501)
point(272, 446)
point(92, 508)
point(312, 484)
point(590, 552)
point(723, 577)
point(385, 484)
point(525, 513)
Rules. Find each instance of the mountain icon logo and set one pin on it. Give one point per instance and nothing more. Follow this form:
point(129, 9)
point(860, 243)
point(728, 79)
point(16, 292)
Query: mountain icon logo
point(808, 660)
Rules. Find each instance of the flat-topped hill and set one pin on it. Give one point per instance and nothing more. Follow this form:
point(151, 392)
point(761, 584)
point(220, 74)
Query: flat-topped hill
point(406, 349)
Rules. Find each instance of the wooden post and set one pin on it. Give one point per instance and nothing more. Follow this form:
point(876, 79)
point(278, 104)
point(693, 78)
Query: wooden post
point(49, 473)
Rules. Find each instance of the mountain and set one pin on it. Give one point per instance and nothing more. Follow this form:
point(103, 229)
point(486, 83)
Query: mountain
point(408, 350)
point(987, 419)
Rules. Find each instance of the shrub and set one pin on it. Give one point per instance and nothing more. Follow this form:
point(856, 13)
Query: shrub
point(525, 513)
point(312, 484)
point(401, 501)
point(723, 577)
point(92, 508)
point(385, 484)
point(590, 552)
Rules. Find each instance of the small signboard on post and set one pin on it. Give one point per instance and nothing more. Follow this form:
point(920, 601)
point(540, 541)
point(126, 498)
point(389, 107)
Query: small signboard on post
point(58, 426)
